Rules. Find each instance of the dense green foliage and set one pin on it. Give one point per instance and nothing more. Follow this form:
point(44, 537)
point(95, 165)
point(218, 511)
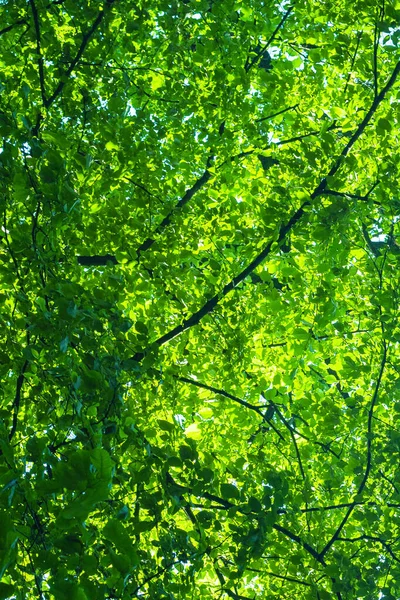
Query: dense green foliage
point(199, 284)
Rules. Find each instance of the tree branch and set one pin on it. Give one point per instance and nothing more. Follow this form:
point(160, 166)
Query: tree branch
point(280, 112)
point(227, 504)
point(353, 61)
point(257, 409)
point(39, 51)
point(217, 391)
point(17, 400)
point(258, 56)
point(97, 260)
point(211, 304)
point(75, 61)
point(102, 260)
point(369, 456)
point(327, 192)
point(296, 138)
point(10, 27)
point(360, 129)
point(270, 573)
point(182, 202)
point(371, 538)
point(296, 538)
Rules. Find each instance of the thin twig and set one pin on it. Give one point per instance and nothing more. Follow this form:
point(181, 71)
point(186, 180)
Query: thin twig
point(280, 112)
point(259, 55)
point(352, 62)
point(369, 454)
point(371, 538)
point(375, 58)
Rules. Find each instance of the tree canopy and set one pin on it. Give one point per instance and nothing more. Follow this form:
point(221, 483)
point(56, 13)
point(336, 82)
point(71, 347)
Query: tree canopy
point(199, 285)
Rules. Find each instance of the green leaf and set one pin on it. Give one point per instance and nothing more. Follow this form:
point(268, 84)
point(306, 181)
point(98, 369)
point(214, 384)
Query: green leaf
point(165, 425)
point(115, 532)
point(229, 491)
point(6, 591)
point(64, 344)
point(254, 505)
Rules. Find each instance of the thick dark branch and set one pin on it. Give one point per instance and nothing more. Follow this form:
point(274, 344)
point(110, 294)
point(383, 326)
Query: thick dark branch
point(209, 306)
point(10, 27)
point(360, 129)
point(39, 51)
point(85, 40)
point(97, 260)
point(17, 400)
point(147, 243)
point(182, 202)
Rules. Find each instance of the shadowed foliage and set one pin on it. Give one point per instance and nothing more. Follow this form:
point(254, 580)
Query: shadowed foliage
point(199, 282)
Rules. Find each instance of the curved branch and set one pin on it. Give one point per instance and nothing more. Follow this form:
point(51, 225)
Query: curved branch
point(369, 456)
